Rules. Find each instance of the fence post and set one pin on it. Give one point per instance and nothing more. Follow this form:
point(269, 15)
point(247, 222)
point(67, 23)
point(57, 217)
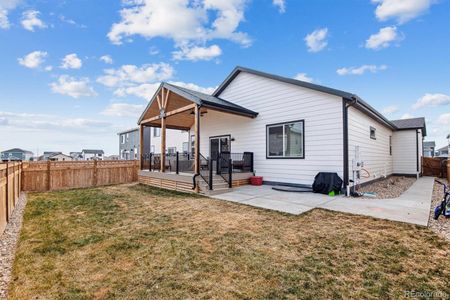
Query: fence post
point(14, 185)
point(177, 161)
point(7, 192)
point(48, 176)
point(94, 178)
point(230, 173)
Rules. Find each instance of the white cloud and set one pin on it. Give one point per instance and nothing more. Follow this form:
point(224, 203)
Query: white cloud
point(70, 86)
point(316, 40)
point(197, 53)
point(406, 116)
point(303, 77)
point(191, 22)
point(30, 20)
point(432, 100)
point(71, 61)
point(361, 70)
point(281, 4)
point(48, 68)
point(5, 7)
point(444, 119)
point(33, 60)
point(194, 87)
point(123, 110)
point(71, 22)
point(128, 75)
point(390, 109)
point(107, 59)
point(401, 10)
point(144, 91)
point(383, 38)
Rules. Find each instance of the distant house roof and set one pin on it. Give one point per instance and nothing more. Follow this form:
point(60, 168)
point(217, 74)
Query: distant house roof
point(58, 153)
point(431, 144)
point(18, 150)
point(50, 153)
point(414, 123)
point(128, 130)
point(445, 148)
point(92, 151)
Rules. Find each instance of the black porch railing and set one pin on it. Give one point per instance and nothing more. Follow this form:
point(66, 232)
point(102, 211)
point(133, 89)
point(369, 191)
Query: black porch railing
point(225, 164)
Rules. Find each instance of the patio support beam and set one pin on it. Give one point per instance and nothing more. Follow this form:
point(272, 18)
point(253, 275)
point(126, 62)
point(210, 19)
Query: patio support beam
point(141, 146)
point(170, 113)
point(163, 144)
point(197, 140)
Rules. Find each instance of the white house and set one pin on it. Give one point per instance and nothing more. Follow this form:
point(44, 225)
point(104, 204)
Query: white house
point(90, 154)
point(290, 129)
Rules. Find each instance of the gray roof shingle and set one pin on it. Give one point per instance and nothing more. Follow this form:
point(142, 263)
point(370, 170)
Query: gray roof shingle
point(414, 123)
point(429, 144)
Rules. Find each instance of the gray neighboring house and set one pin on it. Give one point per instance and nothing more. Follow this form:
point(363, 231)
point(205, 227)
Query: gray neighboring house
point(129, 143)
point(76, 155)
point(16, 154)
point(47, 154)
point(442, 152)
point(429, 149)
point(92, 154)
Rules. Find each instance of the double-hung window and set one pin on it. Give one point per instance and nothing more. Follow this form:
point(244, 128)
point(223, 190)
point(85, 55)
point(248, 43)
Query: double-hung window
point(286, 140)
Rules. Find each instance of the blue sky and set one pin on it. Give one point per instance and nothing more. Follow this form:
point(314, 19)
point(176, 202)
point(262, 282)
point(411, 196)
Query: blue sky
point(73, 73)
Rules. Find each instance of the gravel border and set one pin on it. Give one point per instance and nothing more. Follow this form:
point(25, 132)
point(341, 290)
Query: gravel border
point(8, 242)
point(391, 187)
point(442, 225)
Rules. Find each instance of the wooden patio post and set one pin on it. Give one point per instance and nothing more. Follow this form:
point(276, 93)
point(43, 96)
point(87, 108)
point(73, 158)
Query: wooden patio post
point(163, 144)
point(197, 140)
point(141, 146)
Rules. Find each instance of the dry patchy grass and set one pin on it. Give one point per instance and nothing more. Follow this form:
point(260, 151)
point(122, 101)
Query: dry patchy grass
point(133, 241)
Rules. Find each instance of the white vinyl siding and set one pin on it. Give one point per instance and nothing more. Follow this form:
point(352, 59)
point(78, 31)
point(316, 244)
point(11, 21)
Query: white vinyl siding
point(404, 151)
point(174, 139)
point(278, 102)
point(373, 152)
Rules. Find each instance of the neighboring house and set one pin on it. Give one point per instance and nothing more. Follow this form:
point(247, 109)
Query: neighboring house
point(429, 149)
point(47, 154)
point(60, 157)
point(76, 155)
point(442, 152)
point(112, 157)
point(294, 129)
point(129, 144)
point(90, 154)
point(16, 154)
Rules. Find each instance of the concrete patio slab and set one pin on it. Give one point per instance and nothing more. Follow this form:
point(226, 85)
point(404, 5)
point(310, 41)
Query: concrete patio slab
point(413, 206)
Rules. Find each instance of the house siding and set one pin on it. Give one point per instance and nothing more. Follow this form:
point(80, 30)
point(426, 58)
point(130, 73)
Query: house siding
point(278, 102)
point(404, 151)
point(373, 152)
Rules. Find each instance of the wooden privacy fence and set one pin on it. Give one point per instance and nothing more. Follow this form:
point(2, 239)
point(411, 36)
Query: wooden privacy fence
point(436, 166)
point(49, 175)
point(10, 183)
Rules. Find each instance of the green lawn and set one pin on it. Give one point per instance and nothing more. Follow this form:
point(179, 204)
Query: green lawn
point(133, 241)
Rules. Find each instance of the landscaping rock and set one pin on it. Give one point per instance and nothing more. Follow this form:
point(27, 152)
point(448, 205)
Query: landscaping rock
point(8, 242)
point(391, 187)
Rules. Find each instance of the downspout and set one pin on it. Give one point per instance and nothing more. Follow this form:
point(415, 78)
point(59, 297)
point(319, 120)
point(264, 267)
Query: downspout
point(346, 103)
point(417, 151)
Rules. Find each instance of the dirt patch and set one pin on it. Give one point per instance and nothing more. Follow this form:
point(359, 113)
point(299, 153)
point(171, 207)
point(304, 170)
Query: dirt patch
point(391, 187)
point(441, 225)
point(136, 242)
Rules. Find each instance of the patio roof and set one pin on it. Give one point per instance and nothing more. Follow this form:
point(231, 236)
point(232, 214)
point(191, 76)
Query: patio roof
point(181, 97)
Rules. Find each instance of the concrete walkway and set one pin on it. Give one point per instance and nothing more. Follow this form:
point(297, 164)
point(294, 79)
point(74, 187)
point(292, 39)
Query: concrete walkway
point(413, 206)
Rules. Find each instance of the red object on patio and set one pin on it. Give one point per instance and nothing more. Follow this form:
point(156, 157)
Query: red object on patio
point(256, 180)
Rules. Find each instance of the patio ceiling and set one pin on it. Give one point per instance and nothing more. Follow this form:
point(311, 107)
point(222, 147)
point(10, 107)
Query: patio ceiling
point(174, 100)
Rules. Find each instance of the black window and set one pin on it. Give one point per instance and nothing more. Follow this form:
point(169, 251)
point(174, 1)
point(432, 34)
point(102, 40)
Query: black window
point(285, 140)
point(373, 133)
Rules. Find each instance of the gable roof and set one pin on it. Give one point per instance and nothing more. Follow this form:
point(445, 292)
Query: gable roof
point(354, 99)
point(128, 130)
point(413, 123)
point(59, 153)
point(201, 99)
point(431, 144)
point(18, 150)
point(91, 151)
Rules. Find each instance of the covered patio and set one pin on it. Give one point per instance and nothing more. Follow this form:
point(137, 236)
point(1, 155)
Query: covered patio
point(174, 107)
